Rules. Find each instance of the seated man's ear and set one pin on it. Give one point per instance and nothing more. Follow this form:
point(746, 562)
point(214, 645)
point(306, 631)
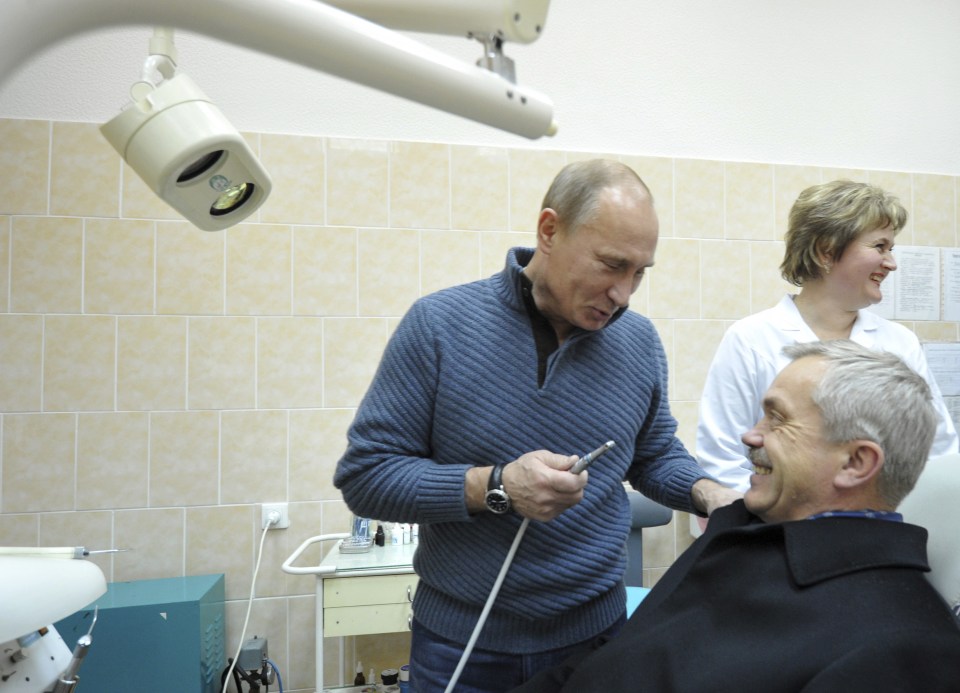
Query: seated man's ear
point(864, 461)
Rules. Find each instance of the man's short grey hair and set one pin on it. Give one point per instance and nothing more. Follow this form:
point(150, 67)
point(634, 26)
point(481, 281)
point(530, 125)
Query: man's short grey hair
point(874, 395)
point(574, 193)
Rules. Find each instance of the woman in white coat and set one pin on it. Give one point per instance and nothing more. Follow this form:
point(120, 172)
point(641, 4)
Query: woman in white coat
point(838, 251)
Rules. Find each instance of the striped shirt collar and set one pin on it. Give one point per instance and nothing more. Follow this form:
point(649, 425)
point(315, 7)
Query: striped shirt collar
point(869, 514)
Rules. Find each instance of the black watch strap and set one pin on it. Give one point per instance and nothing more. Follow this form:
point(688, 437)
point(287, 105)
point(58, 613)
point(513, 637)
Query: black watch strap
point(497, 500)
point(496, 477)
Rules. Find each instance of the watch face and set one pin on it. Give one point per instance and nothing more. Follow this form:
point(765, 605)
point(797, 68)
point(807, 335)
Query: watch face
point(498, 501)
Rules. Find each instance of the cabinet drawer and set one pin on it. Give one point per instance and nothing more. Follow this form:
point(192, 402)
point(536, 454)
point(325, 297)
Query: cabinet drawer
point(372, 590)
point(365, 620)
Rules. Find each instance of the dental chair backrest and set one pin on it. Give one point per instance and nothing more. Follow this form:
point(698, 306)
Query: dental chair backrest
point(643, 513)
point(934, 504)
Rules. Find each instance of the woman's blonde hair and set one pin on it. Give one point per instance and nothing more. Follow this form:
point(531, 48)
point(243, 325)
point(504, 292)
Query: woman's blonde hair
point(827, 218)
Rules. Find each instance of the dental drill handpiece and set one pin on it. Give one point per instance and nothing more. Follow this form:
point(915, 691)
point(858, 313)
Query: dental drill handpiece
point(590, 457)
point(578, 467)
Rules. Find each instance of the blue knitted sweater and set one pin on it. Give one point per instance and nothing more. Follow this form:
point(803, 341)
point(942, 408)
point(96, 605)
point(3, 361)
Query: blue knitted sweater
point(457, 388)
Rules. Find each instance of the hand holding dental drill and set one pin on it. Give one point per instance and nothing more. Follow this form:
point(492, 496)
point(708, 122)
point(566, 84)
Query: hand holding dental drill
point(540, 485)
point(484, 392)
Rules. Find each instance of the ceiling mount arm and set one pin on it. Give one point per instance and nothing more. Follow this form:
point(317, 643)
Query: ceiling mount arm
point(305, 32)
point(162, 60)
point(494, 60)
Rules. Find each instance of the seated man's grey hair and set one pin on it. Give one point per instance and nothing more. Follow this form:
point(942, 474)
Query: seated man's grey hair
point(874, 395)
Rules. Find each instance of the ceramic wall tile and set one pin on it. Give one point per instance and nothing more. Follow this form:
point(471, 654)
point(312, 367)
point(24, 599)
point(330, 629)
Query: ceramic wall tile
point(289, 363)
point(112, 460)
point(674, 281)
point(687, 416)
point(221, 356)
point(26, 151)
point(84, 172)
point(531, 172)
point(357, 183)
point(253, 456)
point(297, 167)
point(20, 530)
point(155, 542)
point(317, 440)
point(324, 271)
point(217, 543)
point(419, 185)
point(698, 190)
point(657, 174)
point(789, 182)
point(935, 216)
point(301, 617)
point(841, 173)
point(479, 188)
point(151, 363)
point(695, 342)
point(935, 331)
point(901, 186)
point(4, 264)
point(258, 276)
point(767, 285)
point(725, 279)
point(38, 462)
point(184, 458)
point(47, 261)
point(389, 270)
point(21, 351)
point(494, 247)
point(352, 351)
point(79, 363)
point(448, 258)
point(190, 270)
point(749, 201)
point(118, 264)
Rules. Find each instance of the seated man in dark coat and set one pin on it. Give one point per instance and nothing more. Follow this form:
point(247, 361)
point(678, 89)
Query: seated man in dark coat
point(812, 582)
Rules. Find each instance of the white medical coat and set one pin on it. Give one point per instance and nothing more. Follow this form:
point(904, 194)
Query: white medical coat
point(750, 356)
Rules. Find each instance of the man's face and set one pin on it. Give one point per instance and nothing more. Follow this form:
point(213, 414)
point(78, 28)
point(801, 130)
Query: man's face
point(794, 468)
point(593, 270)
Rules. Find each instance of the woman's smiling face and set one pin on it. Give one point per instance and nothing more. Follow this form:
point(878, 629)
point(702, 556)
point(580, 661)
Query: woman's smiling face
point(857, 275)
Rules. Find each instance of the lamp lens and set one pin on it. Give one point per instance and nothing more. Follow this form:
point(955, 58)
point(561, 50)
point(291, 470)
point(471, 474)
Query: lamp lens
point(201, 165)
point(231, 199)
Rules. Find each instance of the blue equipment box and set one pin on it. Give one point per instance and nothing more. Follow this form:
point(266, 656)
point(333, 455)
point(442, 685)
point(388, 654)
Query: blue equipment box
point(153, 636)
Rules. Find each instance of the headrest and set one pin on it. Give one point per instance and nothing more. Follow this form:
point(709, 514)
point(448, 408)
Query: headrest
point(934, 504)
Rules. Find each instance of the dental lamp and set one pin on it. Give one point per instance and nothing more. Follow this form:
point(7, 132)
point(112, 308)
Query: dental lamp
point(183, 147)
point(349, 39)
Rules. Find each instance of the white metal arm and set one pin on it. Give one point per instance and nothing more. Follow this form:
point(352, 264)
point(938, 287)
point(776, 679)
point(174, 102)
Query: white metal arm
point(306, 32)
point(288, 566)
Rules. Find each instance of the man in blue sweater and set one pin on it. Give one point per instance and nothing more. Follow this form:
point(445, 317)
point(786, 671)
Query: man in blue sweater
point(486, 394)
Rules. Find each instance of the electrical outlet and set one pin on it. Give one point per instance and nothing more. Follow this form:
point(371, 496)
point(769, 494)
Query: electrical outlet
point(265, 513)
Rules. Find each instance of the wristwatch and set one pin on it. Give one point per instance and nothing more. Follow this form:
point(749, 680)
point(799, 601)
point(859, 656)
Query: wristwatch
point(497, 499)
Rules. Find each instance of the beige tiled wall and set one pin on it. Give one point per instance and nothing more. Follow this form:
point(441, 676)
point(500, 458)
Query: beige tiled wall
point(158, 382)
